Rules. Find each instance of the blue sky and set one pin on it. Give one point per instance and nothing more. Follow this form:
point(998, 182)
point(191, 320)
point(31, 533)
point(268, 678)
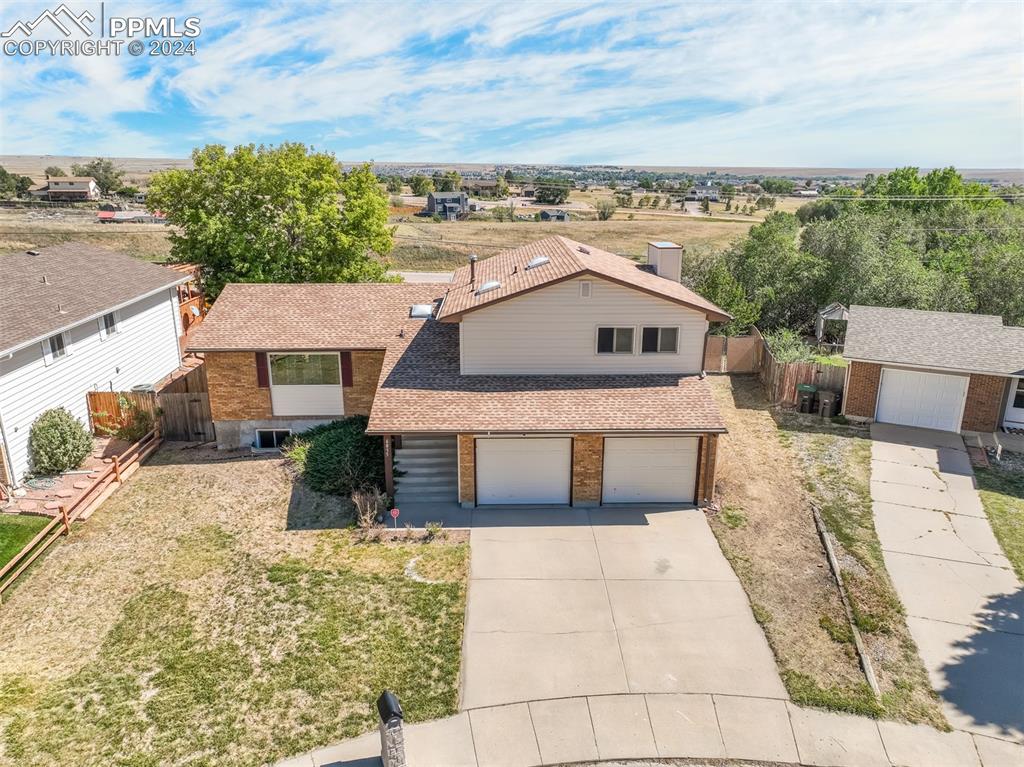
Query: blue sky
point(834, 84)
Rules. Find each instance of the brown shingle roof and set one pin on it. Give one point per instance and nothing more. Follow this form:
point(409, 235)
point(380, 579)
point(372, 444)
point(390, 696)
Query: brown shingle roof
point(974, 343)
point(568, 258)
point(84, 280)
point(421, 390)
point(275, 317)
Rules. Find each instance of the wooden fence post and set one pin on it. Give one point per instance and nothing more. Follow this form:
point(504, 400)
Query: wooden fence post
point(117, 469)
point(64, 517)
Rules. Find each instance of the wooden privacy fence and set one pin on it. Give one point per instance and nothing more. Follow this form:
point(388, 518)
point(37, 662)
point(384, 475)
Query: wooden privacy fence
point(182, 406)
point(112, 477)
point(733, 354)
point(780, 379)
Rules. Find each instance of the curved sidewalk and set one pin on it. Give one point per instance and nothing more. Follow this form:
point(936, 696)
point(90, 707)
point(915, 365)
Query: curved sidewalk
point(595, 728)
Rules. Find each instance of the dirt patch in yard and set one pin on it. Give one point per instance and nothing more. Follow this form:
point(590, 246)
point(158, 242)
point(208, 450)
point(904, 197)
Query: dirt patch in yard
point(770, 479)
point(216, 611)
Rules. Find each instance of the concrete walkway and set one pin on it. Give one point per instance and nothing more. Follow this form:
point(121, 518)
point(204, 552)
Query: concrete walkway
point(965, 605)
point(593, 728)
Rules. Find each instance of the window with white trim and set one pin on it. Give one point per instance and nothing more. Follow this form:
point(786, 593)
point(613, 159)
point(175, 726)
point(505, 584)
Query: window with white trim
point(108, 324)
point(615, 340)
point(659, 341)
point(54, 348)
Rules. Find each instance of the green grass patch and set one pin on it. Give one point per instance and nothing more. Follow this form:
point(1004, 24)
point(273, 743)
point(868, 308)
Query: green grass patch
point(16, 530)
point(1002, 495)
point(806, 692)
point(839, 631)
point(733, 518)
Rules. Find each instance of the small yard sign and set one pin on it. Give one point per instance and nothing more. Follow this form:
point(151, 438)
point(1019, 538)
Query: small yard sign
point(394, 516)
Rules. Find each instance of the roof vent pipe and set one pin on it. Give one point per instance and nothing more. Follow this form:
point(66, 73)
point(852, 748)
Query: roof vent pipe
point(472, 268)
point(45, 281)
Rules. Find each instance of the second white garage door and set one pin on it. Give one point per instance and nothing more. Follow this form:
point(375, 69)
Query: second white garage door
point(523, 470)
point(916, 398)
point(649, 469)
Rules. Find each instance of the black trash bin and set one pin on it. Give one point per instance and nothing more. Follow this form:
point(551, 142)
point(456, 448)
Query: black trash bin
point(805, 397)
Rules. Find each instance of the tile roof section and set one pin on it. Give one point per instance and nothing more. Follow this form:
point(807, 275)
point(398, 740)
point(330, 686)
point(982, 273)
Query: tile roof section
point(976, 343)
point(568, 258)
point(276, 317)
point(84, 280)
point(421, 390)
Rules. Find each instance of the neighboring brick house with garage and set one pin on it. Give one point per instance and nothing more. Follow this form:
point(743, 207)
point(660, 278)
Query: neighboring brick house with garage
point(936, 370)
point(554, 373)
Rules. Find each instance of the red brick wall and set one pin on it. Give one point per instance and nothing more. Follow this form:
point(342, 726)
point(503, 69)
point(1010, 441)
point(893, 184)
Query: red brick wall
point(862, 389)
point(587, 468)
point(467, 469)
point(984, 406)
point(234, 392)
point(707, 463)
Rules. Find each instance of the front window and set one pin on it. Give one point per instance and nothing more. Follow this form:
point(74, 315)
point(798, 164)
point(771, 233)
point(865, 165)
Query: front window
point(57, 346)
point(660, 341)
point(1018, 397)
point(305, 370)
point(615, 340)
point(109, 324)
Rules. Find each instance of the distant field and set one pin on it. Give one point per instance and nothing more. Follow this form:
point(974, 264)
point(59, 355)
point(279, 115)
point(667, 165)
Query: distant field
point(418, 246)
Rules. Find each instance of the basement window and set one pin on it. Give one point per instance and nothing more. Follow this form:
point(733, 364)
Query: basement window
point(271, 439)
point(615, 340)
point(659, 341)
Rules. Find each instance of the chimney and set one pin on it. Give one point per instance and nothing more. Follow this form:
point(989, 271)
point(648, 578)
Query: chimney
point(667, 259)
point(472, 268)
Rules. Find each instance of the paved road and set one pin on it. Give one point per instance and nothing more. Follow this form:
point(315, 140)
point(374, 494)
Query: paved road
point(568, 602)
point(965, 606)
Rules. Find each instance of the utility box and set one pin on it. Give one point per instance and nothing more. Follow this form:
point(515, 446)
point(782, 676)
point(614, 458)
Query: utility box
point(667, 259)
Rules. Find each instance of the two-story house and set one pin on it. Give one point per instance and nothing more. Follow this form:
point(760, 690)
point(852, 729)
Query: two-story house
point(447, 205)
point(76, 318)
point(554, 373)
point(67, 188)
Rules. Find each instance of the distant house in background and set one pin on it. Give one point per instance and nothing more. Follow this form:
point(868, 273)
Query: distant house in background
point(486, 186)
point(66, 189)
point(554, 215)
point(447, 205)
point(528, 190)
point(703, 191)
point(805, 192)
point(78, 318)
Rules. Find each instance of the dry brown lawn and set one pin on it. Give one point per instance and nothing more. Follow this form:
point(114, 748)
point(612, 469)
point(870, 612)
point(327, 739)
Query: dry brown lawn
point(775, 468)
point(213, 611)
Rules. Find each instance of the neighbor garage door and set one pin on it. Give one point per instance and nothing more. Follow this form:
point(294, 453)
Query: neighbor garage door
point(649, 469)
point(523, 470)
point(916, 398)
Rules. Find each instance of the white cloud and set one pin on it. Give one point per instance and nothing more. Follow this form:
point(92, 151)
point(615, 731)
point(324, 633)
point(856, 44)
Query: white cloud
point(659, 83)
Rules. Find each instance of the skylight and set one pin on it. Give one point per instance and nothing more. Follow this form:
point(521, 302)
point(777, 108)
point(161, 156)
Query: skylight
point(538, 261)
point(488, 286)
point(421, 311)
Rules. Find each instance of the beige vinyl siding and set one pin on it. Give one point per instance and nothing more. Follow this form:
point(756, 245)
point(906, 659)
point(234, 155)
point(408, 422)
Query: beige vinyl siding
point(144, 350)
point(554, 330)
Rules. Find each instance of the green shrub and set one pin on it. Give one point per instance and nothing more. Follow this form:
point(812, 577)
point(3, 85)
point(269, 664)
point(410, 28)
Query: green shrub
point(338, 457)
point(788, 346)
point(57, 442)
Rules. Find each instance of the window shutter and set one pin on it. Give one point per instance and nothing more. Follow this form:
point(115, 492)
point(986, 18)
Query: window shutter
point(262, 372)
point(346, 368)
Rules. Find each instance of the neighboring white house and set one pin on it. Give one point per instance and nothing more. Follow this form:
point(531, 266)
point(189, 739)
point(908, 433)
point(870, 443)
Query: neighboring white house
point(67, 188)
point(75, 318)
point(704, 191)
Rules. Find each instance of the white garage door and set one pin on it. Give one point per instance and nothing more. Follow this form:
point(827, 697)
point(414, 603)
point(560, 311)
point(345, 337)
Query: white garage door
point(927, 400)
point(649, 469)
point(523, 470)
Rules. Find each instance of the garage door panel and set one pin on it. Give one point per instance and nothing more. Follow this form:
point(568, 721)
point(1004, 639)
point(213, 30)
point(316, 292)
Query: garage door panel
point(523, 471)
point(917, 398)
point(649, 469)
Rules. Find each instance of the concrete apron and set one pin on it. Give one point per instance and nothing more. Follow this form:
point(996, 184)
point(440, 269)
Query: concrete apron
point(964, 604)
point(593, 728)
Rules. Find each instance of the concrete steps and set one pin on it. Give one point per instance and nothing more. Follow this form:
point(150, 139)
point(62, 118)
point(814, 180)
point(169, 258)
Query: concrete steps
point(429, 469)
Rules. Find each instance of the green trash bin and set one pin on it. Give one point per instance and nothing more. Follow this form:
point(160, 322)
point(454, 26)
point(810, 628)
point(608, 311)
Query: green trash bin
point(805, 396)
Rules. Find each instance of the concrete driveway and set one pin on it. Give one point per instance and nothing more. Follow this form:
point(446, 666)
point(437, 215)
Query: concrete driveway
point(965, 606)
point(568, 602)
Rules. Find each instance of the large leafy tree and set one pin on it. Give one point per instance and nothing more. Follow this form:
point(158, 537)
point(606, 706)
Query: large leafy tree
point(107, 175)
point(274, 214)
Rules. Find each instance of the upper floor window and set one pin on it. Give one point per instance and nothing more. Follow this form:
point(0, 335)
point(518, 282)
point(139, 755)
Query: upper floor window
point(615, 340)
point(54, 348)
point(305, 369)
point(109, 324)
point(659, 340)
